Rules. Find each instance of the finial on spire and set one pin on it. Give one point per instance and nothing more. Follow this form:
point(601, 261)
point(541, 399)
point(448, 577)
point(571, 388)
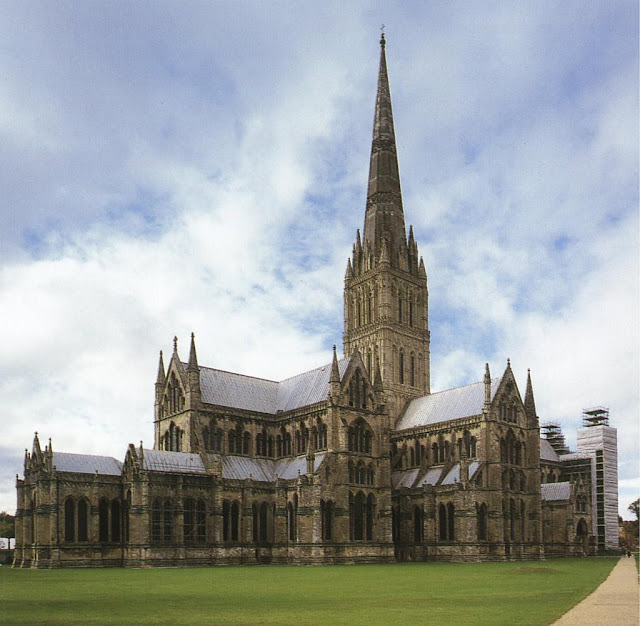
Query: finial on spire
point(487, 386)
point(529, 402)
point(193, 358)
point(160, 378)
point(175, 343)
point(382, 40)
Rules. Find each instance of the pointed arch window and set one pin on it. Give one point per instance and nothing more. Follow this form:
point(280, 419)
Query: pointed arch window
point(326, 517)
point(115, 520)
point(156, 521)
point(412, 370)
point(264, 516)
point(103, 520)
point(482, 522)
point(418, 524)
point(69, 520)
point(401, 367)
point(83, 520)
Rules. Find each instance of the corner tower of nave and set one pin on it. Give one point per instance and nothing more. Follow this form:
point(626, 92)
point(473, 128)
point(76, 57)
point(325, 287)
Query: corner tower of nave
point(386, 309)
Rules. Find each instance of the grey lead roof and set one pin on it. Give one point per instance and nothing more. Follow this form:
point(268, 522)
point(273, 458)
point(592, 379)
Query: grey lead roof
point(556, 491)
point(547, 453)
point(409, 478)
point(265, 470)
point(431, 477)
point(181, 462)
point(404, 478)
point(266, 396)
point(456, 403)
point(86, 464)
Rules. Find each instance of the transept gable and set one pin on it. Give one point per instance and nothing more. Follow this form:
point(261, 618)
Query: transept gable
point(507, 402)
point(357, 389)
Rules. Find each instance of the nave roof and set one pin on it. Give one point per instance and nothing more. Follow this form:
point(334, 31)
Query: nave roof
point(247, 393)
point(86, 464)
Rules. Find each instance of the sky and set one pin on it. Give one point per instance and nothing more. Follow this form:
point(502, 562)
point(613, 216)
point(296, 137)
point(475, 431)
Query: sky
point(178, 167)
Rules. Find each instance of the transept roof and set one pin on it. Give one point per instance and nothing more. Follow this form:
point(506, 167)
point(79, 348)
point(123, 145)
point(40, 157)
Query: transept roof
point(451, 404)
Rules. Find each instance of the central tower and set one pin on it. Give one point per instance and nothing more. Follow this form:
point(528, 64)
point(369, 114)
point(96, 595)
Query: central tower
point(386, 309)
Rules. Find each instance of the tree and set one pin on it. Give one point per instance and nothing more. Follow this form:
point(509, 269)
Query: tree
point(7, 525)
point(634, 507)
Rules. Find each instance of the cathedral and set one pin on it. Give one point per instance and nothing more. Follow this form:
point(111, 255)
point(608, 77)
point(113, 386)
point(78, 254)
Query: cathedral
point(356, 461)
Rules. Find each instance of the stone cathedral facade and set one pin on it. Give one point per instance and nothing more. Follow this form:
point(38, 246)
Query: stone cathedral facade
point(355, 461)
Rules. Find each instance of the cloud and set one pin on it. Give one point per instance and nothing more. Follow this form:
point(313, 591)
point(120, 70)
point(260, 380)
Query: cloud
point(168, 169)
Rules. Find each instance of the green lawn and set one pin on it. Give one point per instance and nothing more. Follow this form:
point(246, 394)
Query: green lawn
point(425, 593)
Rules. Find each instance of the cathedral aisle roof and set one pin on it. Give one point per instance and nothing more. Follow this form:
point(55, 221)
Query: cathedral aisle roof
point(266, 396)
point(547, 453)
point(556, 491)
point(452, 404)
point(164, 461)
point(265, 470)
point(86, 464)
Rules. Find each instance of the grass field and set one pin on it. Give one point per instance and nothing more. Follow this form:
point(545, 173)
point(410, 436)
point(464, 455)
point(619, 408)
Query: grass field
point(411, 593)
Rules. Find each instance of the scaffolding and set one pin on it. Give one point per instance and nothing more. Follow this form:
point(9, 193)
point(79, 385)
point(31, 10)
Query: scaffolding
point(553, 434)
point(596, 416)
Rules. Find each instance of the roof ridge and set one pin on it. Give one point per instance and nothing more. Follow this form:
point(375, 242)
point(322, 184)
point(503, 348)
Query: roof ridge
point(216, 369)
point(101, 456)
point(314, 369)
point(268, 380)
point(478, 382)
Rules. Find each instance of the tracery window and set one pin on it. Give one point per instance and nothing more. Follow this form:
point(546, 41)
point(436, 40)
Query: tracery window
point(361, 516)
point(446, 522)
point(359, 437)
point(172, 440)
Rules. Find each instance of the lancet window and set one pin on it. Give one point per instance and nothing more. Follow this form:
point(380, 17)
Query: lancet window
point(446, 522)
point(326, 519)
point(194, 520)
point(361, 516)
point(359, 437)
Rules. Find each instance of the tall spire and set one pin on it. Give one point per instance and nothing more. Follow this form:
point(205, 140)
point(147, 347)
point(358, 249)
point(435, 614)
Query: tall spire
point(384, 219)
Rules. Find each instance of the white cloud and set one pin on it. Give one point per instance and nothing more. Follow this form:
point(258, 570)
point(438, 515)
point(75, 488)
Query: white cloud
point(188, 176)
